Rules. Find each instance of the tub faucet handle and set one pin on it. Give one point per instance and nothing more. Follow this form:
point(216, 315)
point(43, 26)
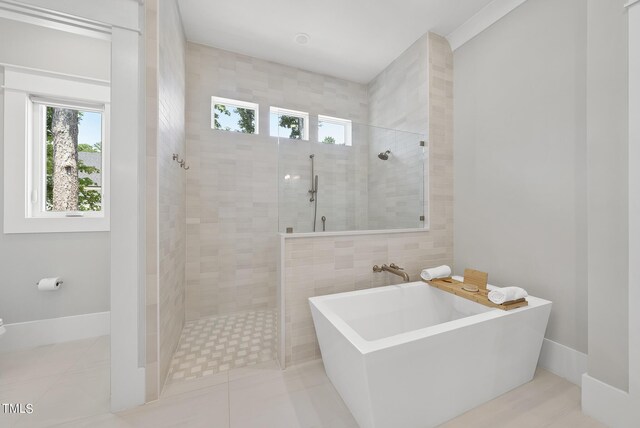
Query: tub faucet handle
point(395, 266)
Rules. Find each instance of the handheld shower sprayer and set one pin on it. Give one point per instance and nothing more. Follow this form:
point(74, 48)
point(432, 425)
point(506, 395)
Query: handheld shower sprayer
point(314, 191)
point(314, 188)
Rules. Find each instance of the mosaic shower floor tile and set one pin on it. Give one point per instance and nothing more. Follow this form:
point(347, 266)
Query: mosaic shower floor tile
point(215, 344)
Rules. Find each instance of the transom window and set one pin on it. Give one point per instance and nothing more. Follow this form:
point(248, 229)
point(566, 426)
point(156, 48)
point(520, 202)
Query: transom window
point(333, 130)
point(234, 115)
point(287, 123)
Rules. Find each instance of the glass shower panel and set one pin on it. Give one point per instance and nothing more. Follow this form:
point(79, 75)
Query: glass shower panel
point(336, 170)
point(376, 183)
point(381, 146)
point(295, 209)
point(404, 179)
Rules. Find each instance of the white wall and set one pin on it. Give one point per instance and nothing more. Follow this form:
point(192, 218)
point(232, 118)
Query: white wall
point(520, 158)
point(113, 12)
point(82, 259)
point(607, 160)
point(151, 52)
point(48, 49)
point(125, 256)
point(611, 388)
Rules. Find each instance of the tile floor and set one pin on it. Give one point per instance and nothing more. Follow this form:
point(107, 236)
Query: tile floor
point(63, 382)
point(69, 387)
point(215, 344)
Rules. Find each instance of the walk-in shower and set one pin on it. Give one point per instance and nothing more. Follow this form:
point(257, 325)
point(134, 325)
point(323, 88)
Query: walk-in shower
point(359, 192)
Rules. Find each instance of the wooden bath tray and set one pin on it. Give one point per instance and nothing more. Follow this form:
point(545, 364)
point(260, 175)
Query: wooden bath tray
point(453, 286)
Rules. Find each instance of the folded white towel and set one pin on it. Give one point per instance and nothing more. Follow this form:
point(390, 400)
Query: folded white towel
point(443, 271)
point(506, 294)
point(499, 295)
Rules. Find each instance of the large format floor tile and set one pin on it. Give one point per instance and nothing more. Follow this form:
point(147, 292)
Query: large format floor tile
point(68, 385)
point(42, 361)
point(547, 400)
point(297, 397)
point(62, 382)
point(75, 395)
point(208, 407)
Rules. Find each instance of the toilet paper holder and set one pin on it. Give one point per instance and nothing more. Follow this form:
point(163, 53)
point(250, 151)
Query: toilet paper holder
point(49, 284)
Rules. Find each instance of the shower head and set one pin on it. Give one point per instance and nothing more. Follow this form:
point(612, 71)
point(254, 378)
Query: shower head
point(385, 155)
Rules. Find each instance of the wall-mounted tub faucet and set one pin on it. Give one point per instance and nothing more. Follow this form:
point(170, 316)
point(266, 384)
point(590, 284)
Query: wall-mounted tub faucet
point(394, 269)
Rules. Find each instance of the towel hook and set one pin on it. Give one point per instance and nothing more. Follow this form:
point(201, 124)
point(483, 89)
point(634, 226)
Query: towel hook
point(181, 162)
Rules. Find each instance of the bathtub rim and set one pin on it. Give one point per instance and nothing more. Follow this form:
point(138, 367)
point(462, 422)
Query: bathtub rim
point(364, 346)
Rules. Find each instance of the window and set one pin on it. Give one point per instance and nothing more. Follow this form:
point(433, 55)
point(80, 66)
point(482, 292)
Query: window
point(66, 158)
point(289, 124)
point(234, 115)
point(56, 151)
point(332, 130)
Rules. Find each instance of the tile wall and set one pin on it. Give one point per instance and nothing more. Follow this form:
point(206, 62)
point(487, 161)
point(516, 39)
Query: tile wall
point(397, 185)
point(441, 138)
point(171, 182)
point(232, 187)
point(166, 189)
point(399, 100)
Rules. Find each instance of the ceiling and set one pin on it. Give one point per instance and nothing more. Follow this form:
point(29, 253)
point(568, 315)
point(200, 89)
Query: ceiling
point(351, 39)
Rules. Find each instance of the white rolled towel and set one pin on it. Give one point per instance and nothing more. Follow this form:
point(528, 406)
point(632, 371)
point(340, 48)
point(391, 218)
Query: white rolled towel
point(506, 294)
point(443, 271)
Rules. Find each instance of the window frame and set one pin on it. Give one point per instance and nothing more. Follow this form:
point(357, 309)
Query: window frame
point(37, 162)
point(293, 113)
point(337, 121)
point(25, 157)
point(238, 104)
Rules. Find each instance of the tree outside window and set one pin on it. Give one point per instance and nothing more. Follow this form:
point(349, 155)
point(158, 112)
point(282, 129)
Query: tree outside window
point(70, 178)
point(237, 119)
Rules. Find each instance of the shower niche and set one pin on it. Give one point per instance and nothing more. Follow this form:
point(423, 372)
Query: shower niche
point(373, 179)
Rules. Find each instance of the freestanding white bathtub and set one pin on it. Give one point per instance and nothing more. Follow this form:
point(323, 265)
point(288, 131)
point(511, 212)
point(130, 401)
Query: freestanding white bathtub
point(414, 356)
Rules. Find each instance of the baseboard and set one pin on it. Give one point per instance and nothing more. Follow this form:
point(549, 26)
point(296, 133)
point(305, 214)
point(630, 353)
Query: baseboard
point(609, 405)
point(25, 335)
point(563, 361)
